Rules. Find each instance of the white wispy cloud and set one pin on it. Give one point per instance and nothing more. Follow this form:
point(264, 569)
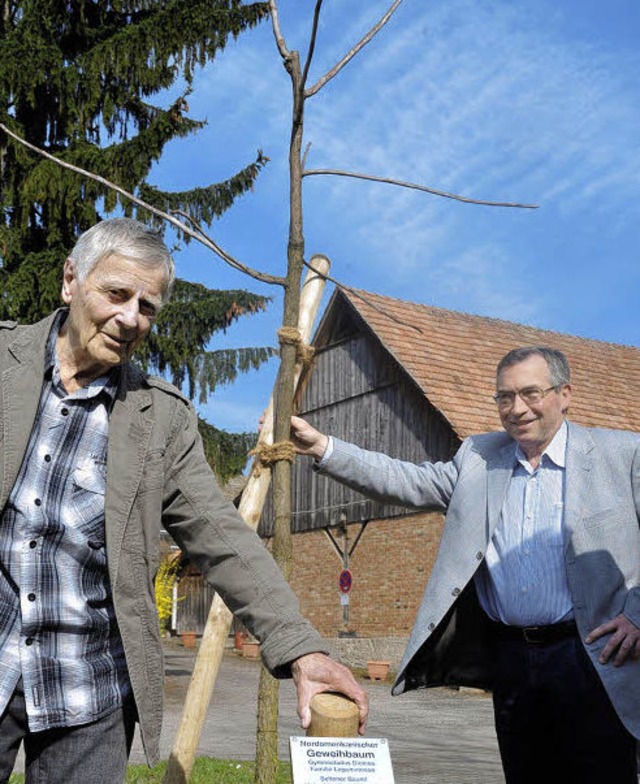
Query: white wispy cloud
point(488, 101)
point(494, 99)
point(479, 101)
point(476, 276)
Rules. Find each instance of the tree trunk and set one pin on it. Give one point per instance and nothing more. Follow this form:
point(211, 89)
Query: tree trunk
point(267, 734)
point(267, 730)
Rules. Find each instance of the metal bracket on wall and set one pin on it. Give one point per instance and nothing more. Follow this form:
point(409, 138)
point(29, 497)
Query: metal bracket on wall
point(343, 550)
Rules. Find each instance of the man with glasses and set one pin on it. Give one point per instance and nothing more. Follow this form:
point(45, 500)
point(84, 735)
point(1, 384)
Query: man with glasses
point(535, 593)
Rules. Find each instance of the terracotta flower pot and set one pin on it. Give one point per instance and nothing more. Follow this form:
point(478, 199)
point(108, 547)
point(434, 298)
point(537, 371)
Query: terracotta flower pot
point(238, 640)
point(251, 649)
point(189, 639)
point(378, 670)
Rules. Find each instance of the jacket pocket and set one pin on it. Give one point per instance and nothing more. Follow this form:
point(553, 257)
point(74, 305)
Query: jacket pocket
point(87, 500)
point(153, 472)
point(611, 516)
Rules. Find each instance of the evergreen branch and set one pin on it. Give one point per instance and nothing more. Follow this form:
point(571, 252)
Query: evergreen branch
point(312, 41)
point(352, 52)
point(182, 35)
point(157, 126)
point(127, 163)
point(226, 453)
point(199, 235)
point(185, 326)
point(213, 369)
point(414, 186)
point(85, 60)
point(203, 372)
point(132, 158)
point(190, 292)
point(195, 313)
point(211, 201)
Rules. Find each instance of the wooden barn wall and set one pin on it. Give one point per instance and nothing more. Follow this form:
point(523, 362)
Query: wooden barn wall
point(194, 602)
point(357, 392)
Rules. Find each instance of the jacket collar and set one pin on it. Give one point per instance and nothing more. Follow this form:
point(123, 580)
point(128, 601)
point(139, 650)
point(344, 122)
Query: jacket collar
point(499, 471)
point(580, 456)
point(20, 387)
point(579, 461)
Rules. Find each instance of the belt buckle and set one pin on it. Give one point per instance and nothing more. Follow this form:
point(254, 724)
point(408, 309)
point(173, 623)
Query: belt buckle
point(531, 634)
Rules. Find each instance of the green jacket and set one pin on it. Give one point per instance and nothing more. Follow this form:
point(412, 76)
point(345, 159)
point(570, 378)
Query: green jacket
point(156, 472)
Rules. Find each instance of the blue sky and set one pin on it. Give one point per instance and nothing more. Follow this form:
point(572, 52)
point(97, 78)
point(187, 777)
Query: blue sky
point(493, 99)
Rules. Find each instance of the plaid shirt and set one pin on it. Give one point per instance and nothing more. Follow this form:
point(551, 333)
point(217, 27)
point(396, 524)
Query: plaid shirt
point(57, 622)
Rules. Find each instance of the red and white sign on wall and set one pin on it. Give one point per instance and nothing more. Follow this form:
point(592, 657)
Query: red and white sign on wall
point(345, 581)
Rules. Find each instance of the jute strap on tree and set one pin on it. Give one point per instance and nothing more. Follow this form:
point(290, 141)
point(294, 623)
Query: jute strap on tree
point(268, 454)
point(292, 336)
point(333, 716)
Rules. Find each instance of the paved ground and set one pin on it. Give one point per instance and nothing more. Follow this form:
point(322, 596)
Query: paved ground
point(438, 736)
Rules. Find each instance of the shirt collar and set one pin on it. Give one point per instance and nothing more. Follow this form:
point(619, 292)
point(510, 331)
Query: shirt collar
point(556, 451)
point(108, 383)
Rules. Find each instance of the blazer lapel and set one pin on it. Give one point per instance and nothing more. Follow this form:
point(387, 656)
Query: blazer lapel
point(20, 388)
point(578, 477)
point(499, 471)
point(129, 433)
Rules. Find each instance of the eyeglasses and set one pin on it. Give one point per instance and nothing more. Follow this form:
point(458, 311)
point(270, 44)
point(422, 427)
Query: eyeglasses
point(529, 395)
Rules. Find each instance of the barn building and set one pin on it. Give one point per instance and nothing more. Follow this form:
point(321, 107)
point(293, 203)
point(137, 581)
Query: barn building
point(412, 381)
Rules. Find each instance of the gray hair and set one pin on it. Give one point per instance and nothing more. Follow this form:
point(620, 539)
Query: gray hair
point(122, 237)
point(559, 372)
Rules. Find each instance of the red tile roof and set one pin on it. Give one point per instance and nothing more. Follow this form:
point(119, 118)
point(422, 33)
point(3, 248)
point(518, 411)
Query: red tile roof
point(452, 357)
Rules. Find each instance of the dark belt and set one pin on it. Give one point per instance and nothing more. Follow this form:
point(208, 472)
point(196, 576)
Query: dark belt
point(536, 635)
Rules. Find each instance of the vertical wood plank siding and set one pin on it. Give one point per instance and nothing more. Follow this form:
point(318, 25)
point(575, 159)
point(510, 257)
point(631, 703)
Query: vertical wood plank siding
point(194, 601)
point(357, 392)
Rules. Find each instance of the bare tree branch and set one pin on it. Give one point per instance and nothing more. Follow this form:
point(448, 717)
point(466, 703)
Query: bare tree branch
point(198, 234)
point(352, 52)
point(312, 41)
point(275, 23)
point(414, 186)
point(368, 302)
point(201, 235)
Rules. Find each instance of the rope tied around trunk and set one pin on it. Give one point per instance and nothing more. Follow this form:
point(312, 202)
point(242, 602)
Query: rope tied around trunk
point(292, 337)
point(268, 454)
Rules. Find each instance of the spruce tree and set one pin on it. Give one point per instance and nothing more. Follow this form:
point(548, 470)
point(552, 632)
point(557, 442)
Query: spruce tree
point(77, 78)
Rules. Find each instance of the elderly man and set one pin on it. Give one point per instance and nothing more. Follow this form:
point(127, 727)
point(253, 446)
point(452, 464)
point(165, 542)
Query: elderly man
point(535, 592)
point(94, 455)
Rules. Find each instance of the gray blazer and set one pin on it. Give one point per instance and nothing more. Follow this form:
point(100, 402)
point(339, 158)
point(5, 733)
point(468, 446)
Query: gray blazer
point(156, 472)
point(448, 644)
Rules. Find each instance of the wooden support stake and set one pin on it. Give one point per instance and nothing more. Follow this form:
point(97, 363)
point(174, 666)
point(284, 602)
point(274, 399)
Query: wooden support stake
point(219, 620)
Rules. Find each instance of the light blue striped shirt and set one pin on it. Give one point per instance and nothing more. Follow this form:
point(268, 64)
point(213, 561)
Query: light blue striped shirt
point(523, 581)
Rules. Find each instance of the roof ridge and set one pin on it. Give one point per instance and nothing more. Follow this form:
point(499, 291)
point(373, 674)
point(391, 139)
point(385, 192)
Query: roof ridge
point(494, 319)
point(452, 360)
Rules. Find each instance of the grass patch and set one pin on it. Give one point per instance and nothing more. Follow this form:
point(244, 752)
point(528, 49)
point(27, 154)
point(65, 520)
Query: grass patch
point(205, 771)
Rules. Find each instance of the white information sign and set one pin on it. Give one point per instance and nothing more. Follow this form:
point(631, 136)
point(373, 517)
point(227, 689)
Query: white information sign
point(340, 761)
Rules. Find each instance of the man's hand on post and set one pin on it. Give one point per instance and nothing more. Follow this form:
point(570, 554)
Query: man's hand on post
point(624, 642)
point(306, 439)
point(316, 673)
